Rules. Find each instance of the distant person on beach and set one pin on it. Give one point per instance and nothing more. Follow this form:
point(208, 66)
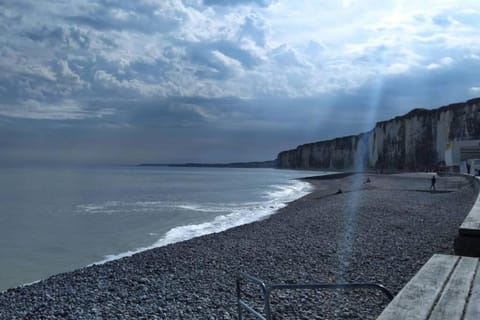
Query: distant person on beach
point(468, 168)
point(434, 180)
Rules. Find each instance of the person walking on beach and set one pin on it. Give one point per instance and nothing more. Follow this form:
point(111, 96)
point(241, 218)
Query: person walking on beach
point(434, 180)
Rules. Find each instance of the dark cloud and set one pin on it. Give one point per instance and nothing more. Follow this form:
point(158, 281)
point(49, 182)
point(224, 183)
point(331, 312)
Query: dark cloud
point(96, 143)
point(136, 16)
point(203, 129)
point(150, 70)
point(442, 20)
point(69, 36)
point(14, 8)
point(255, 29)
point(433, 88)
point(168, 81)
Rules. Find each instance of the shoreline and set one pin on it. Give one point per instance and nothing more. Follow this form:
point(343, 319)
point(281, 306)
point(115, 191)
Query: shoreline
point(381, 231)
point(190, 231)
point(166, 240)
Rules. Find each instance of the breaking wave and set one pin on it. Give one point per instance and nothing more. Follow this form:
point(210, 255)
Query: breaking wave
point(234, 214)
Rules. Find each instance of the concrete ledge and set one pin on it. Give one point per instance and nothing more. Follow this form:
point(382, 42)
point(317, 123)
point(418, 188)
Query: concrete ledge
point(471, 224)
point(467, 242)
point(467, 246)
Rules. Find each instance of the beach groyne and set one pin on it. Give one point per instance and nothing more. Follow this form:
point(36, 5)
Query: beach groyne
point(381, 231)
point(415, 141)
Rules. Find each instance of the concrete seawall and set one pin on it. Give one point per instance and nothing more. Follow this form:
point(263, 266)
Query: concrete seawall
point(467, 243)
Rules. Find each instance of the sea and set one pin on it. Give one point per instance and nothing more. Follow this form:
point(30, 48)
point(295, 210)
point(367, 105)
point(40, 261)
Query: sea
point(55, 220)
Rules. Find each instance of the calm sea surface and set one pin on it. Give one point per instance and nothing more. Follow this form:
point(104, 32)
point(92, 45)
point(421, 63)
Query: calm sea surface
point(58, 220)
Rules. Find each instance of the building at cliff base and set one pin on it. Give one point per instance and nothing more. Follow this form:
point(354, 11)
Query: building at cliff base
point(459, 153)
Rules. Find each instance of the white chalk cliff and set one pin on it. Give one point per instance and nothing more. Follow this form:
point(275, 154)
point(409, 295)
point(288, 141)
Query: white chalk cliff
point(415, 141)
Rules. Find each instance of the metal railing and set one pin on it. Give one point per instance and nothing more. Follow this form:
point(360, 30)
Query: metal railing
point(267, 290)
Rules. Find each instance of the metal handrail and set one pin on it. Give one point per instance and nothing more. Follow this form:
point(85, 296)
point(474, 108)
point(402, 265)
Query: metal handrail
point(241, 304)
point(267, 290)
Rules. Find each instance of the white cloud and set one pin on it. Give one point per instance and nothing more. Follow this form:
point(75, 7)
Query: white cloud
point(234, 66)
point(70, 76)
point(109, 81)
point(475, 89)
point(202, 111)
point(347, 3)
point(173, 48)
point(64, 110)
point(445, 61)
point(397, 68)
point(17, 63)
point(472, 56)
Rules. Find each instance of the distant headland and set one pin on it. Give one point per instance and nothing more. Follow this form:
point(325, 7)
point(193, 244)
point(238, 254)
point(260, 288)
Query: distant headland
point(254, 164)
point(421, 140)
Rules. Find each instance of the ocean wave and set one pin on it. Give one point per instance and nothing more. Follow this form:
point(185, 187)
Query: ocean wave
point(122, 207)
point(238, 214)
point(204, 208)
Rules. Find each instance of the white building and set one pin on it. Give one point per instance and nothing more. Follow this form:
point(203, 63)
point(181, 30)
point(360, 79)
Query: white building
point(457, 152)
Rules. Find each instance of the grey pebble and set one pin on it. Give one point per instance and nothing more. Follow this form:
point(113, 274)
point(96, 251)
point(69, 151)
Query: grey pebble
point(381, 233)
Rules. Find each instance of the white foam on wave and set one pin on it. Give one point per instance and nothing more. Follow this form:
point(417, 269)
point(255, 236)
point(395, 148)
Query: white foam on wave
point(238, 214)
point(122, 207)
point(203, 208)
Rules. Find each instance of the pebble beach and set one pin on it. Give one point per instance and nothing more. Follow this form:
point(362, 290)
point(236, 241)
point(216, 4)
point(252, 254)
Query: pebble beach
point(357, 228)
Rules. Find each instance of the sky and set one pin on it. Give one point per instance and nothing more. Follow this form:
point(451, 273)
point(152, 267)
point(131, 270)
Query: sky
point(172, 81)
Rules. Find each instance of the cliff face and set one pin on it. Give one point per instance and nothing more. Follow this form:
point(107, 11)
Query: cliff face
point(415, 141)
